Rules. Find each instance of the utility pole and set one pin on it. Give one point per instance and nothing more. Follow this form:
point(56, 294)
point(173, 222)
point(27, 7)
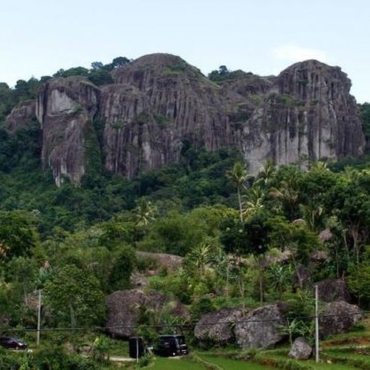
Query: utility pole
point(137, 349)
point(316, 323)
point(39, 318)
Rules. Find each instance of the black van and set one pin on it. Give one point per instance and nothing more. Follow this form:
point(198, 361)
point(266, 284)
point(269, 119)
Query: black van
point(171, 345)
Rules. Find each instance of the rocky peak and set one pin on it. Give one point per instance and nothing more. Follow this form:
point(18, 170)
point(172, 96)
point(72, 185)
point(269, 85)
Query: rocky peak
point(313, 80)
point(159, 104)
point(171, 101)
point(307, 113)
point(145, 71)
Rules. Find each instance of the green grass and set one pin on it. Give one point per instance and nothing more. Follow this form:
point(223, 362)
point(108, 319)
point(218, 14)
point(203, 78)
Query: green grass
point(229, 364)
point(284, 362)
point(176, 363)
point(118, 348)
point(356, 358)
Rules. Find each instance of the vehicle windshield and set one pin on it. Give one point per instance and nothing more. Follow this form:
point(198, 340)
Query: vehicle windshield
point(180, 340)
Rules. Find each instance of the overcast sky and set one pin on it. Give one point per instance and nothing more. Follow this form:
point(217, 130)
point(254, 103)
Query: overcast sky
point(38, 37)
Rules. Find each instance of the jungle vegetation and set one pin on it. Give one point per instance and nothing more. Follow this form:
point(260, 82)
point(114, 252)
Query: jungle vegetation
point(70, 240)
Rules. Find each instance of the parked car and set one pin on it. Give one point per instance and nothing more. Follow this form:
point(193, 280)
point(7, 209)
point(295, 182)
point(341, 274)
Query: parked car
point(171, 345)
point(12, 343)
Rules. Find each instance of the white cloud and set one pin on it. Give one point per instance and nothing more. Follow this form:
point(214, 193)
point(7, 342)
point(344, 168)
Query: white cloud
point(294, 53)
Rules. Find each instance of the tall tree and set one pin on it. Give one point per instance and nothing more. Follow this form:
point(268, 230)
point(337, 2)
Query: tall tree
point(122, 269)
point(18, 235)
point(238, 175)
point(75, 298)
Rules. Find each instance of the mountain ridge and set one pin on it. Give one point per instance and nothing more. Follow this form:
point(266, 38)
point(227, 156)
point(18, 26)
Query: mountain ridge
point(158, 105)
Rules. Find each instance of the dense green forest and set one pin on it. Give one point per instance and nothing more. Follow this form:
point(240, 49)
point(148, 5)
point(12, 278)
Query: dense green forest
point(78, 242)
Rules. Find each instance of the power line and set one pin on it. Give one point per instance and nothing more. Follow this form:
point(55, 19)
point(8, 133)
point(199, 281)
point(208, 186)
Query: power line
point(185, 326)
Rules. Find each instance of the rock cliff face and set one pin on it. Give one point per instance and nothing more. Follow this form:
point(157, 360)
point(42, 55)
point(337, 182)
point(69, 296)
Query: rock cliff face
point(20, 116)
point(159, 104)
point(308, 113)
point(66, 109)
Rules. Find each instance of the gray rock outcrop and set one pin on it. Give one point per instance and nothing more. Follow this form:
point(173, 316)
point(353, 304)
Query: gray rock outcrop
point(217, 327)
point(21, 116)
point(170, 261)
point(308, 113)
point(66, 108)
point(261, 327)
point(338, 317)
point(300, 350)
point(172, 102)
point(159, 106)
point(333, 290)
point(124, 309)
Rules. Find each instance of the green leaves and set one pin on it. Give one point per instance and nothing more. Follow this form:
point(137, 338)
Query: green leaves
point(124, 264)
point(18, 235)
point(75, 298)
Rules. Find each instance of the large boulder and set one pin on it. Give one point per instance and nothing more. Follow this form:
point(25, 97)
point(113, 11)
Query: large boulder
point(216, 327)
point(125, 307)
point(300, 350)
point(338, 317)
point(170, 261)
point(330, 290)
point(122, 312)
point(261, 327)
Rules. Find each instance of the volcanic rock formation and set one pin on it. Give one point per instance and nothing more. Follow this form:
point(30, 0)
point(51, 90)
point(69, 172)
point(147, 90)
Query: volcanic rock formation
point(159, 106)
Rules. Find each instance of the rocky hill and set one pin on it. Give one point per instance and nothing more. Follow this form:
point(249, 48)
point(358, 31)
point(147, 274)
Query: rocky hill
point(159, 106)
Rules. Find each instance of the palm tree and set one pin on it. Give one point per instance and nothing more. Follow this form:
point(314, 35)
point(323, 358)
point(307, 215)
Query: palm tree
point(239, 176)
point(144, 213)
point(288, 196)
point(254, 202)
point(200, 256)
point(281, 277)
point(311, 214)
point(266, 173)
point(221, 262)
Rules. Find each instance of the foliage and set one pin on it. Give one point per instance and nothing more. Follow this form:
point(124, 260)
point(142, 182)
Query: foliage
point(77, 239)
point(365, 113)
point(202, 306)
point(293, 236)
point(17, 234)
point(280, 278)
point(144, 361)
point(224, 74)
point(250, 237)
point(75, 298)
point(359, 280)
point(56, 358)
point(175, 233)
point(123, 266)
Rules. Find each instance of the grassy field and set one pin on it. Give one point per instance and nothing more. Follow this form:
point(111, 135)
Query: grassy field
point(176, 363)
point(282, 362)
point(226, 363)
point(220, 363)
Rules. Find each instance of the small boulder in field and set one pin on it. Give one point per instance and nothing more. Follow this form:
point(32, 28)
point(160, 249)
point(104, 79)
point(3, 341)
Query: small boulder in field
point(300, 350)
